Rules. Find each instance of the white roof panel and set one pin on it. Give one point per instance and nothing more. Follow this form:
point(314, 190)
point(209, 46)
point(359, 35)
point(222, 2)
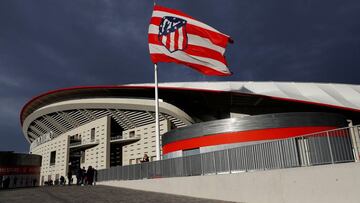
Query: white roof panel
point(340, 95)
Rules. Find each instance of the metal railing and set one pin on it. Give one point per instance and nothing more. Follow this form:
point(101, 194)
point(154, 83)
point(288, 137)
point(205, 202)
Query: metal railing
point(83, 142)
point(329, 147)
point(116, 137)
point(75, 143)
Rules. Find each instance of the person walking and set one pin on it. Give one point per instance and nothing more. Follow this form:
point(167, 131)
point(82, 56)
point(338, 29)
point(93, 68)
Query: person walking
point(6, 183)
point(15, 181)
point(83, 176)
point(62, 180)
point(90, 175)
point(1, 182)
point(70, 176)
point(78, 176)
point(95, 176)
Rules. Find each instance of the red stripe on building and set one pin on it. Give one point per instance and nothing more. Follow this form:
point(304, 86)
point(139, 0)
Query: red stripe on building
point(18, 170)
point(243, 136)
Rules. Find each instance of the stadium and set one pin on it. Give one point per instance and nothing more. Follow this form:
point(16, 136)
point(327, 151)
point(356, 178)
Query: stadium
point(107, 126)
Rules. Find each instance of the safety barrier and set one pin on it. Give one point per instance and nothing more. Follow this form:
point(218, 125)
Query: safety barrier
point(328, 147)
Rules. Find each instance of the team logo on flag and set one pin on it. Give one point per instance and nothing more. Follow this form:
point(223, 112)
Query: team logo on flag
point(172, 33)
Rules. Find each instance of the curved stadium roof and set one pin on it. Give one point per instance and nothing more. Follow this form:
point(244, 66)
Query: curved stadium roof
point(208, 100)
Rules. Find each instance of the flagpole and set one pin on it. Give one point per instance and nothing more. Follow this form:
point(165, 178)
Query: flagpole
point(157, 129)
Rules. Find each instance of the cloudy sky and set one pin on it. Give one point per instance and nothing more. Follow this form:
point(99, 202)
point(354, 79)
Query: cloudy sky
point(45, 45)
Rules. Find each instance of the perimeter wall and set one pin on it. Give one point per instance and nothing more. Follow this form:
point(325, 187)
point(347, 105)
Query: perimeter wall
point(326, 183)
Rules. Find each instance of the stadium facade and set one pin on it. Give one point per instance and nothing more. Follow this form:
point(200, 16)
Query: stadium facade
point(105, 126)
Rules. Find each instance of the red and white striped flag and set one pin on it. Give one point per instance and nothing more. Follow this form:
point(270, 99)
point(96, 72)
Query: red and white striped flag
point(177, 37)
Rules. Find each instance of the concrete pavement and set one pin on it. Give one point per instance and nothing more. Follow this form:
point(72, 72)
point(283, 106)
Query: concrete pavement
point(90, 194)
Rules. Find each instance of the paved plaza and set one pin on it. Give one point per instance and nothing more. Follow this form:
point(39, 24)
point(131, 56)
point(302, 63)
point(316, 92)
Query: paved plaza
point(91, 194)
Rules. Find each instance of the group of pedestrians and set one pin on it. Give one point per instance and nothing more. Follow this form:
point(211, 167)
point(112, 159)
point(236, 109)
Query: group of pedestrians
point(7, 182)
point(84, 177)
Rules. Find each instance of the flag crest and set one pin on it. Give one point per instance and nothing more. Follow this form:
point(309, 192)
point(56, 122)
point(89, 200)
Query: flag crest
point(172, 33)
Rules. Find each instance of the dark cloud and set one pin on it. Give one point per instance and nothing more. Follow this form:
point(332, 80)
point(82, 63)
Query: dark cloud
point(46, 45)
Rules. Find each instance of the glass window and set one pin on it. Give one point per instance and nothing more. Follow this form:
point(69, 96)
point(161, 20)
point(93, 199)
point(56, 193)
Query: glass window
point(132, 134)
point(92, 133)
point(52, 158)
